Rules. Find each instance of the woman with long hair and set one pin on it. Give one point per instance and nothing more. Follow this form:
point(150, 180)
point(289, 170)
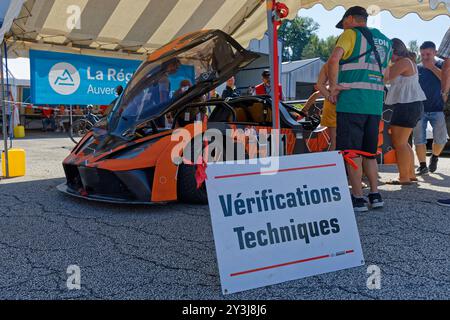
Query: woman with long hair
point(405, 96)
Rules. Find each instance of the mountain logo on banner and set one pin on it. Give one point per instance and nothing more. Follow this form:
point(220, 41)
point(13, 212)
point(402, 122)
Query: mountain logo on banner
point(64, 78)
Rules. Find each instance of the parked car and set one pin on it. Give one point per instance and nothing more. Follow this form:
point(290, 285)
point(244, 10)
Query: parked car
point(126, 157)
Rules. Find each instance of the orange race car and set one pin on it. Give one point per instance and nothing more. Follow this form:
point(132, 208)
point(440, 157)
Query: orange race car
point(127, 157)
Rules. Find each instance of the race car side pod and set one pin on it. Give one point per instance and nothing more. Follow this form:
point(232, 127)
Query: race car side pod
point(349, 155)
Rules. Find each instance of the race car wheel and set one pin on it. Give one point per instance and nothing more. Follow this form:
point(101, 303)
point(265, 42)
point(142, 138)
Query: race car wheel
point(187, 186)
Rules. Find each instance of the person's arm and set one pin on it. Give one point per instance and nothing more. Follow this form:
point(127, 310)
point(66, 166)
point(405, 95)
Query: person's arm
point(387, 74)
point(344, 48)
point(433, 68)
point(311, 100)
point(397, 69)
point(322, 82)
point(333, 73)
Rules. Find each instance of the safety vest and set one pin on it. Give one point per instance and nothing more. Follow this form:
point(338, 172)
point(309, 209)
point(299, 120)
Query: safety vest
point(363, 75)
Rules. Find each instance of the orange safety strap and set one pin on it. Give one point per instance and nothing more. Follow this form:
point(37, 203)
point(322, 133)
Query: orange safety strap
point(349, 155)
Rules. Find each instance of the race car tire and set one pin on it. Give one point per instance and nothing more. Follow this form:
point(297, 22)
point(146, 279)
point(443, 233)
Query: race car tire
point(187, 186)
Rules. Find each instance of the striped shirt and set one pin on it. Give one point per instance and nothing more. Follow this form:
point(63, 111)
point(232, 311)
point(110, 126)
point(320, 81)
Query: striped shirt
point(444, 49)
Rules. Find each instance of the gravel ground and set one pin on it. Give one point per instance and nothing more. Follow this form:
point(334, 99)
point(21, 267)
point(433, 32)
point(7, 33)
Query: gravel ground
point(167, 251)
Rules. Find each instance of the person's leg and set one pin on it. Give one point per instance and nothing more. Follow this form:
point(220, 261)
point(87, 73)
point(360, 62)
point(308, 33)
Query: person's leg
point(332, 132)
point(355, 177)
point(420, 141)
point(400, 138)
point(439, 138)
point(439, 132)
point(421, 151)
point(437, 149)
point(44, 124)
point(371, 171)
point(349, 136)
point(412, 168)
point(52, 124)
point(370, 145)
point(414, 117)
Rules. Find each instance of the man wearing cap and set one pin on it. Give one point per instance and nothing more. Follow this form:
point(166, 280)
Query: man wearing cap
point(265, 88)
point(356, 68)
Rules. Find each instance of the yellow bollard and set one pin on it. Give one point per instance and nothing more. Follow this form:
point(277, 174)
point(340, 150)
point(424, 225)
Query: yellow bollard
point(19, 132)
point(16, 163)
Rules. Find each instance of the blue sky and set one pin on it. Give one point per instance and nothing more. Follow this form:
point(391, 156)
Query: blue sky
point(410, 27)
point(4, 4)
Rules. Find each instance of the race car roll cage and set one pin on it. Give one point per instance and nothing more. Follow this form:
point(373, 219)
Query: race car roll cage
point(308, 123)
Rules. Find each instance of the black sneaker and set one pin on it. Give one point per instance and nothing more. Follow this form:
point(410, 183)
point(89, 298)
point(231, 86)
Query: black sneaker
point(444, 202)
point(422, 171)
point(376, 201)
point(433, 164)
point(359, 204)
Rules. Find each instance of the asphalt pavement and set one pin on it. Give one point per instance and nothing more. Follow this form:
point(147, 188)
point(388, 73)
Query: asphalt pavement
point(167, 251)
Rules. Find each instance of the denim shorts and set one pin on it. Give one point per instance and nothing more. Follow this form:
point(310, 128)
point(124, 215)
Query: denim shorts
point(437, 121)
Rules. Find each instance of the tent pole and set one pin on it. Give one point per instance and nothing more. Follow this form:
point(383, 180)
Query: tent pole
point(274, 67)
point(4, 116)
point(8, 92)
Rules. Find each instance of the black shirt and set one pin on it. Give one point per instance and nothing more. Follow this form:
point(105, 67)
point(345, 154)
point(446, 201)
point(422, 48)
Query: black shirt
point(230, 93)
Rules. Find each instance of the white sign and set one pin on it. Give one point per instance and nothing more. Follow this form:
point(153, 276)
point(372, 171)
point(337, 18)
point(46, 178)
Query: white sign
point(280, 226)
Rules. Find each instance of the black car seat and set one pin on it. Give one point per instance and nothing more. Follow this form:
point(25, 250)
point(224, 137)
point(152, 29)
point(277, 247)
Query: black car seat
point(260, 113)
point(241, 115)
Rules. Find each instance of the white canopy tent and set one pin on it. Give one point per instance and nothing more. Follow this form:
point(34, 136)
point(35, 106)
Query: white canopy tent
point(134, 28)
point(137, 27)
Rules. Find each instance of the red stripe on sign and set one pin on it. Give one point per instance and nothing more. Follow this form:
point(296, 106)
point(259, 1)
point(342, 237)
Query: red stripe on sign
point(274, 171)
point(285, 264)
point(279, 265)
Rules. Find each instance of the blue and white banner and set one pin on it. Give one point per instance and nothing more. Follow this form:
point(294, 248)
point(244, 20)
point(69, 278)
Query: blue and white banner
point(63, 78)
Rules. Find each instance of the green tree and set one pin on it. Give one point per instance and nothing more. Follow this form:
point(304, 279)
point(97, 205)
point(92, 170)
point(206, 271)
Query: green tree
point(413, 46)
point(319, 48)
point(295, 35)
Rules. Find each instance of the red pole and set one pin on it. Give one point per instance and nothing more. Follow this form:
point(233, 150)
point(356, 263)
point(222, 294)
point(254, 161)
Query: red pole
point(276, 11)
point(276, 75)
point(273, 57)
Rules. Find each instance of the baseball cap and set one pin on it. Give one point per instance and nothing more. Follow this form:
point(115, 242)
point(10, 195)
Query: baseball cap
point(353, 11)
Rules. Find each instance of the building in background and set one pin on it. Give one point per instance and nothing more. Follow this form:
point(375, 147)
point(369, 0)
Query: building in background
point(299, 77)
point(251, 75)
point(19, 79)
